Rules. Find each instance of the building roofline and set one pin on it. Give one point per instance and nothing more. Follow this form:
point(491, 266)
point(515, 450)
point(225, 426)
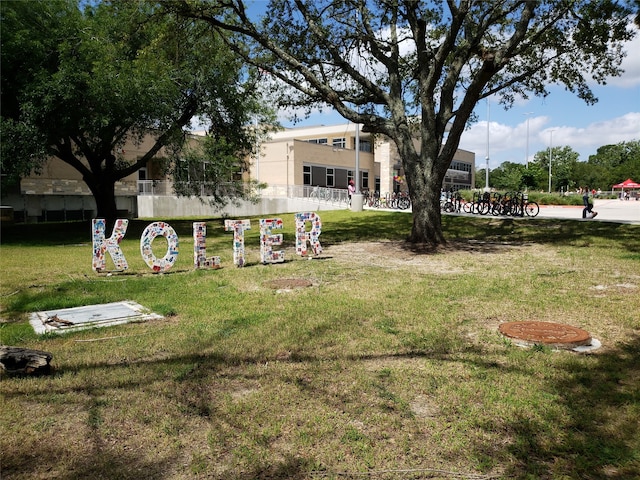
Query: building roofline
point(291, 133)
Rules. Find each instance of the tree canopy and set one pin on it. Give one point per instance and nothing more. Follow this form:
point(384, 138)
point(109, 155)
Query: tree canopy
point(80, 79)
point(415, 69)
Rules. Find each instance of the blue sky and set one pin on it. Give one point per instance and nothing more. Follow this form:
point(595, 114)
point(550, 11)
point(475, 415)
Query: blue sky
point(560, 119)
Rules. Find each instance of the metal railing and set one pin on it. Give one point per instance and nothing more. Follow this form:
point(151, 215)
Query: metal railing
point(325, 194)
point(167, 187)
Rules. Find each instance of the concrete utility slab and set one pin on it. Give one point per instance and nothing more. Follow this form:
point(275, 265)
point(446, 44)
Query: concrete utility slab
point(90, 316)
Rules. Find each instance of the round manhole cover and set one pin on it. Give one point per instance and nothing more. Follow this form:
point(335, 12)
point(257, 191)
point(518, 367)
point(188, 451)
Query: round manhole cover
point(546, 333)
point(288, 283)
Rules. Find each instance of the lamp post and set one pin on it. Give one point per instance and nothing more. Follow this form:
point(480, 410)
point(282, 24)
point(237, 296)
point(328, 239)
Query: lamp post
point(550, 155)
point(257, 151)
point(486, 184)
point(526, 153)
point(357, 147)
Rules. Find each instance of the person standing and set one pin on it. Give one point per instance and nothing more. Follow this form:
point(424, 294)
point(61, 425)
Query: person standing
point(351, 190)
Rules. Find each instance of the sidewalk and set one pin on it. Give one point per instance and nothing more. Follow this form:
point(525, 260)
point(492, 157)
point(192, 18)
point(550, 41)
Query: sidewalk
point(620, 211)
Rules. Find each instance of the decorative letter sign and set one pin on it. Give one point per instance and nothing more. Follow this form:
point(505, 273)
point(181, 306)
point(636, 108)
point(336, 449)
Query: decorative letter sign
point(200, 259)
point(268, 240)
point(302, 236)
point(147, 238)
point(238, 227)
point(111, 245)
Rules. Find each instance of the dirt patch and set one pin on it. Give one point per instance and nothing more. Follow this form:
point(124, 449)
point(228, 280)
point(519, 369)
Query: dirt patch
point(621, 288)
point(288, 283)
point(424, 407)
point(395, 254)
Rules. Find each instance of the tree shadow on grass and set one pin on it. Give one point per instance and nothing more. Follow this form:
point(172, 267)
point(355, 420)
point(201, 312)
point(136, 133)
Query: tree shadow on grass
point(600, 439)
point(557, 232)
point(94, 459)
point(367, 225)
point(595, 443)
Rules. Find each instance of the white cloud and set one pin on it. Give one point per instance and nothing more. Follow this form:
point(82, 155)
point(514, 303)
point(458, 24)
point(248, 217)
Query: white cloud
point(597, 134)
point(630, 65)
point(508, 143)
point(501, 137)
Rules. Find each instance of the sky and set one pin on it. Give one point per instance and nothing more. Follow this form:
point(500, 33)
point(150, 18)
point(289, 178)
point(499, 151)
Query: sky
point(561, 119)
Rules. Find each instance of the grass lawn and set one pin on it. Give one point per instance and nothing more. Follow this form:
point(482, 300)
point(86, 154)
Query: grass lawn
point(388, 366)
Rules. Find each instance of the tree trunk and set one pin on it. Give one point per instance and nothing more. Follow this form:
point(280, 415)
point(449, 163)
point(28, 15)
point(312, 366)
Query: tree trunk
point(23, 361)
point(426, 229)
point(104, 193)
point(425, 182)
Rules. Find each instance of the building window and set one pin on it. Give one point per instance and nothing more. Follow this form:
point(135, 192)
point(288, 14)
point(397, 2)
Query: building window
point(365, 146)
point(462, 166)
point(330, 177)
point(340, 142)
point(321, 141)
point(306, 174)
point(365, 180)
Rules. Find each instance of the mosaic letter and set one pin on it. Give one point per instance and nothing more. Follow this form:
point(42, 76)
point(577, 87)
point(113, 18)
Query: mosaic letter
point(101, 245)
point(149, 234)
point(200, 259)
point(302, 236)
point(238, 227)
point(269, 240)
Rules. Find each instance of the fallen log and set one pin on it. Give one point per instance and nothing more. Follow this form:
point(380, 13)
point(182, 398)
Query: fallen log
point(24, 361)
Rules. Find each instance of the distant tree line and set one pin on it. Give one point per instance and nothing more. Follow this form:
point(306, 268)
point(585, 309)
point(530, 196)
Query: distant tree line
point(610, 165)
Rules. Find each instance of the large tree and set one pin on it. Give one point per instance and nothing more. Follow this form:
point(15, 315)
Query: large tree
point(415, 69)
point(617, 162)
point(563, 165)
point(80, 79)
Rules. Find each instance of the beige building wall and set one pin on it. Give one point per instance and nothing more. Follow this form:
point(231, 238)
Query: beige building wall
point(275, 165)
point(59, 178)
point(387, 157)
point(282, 158)
point(58, 192)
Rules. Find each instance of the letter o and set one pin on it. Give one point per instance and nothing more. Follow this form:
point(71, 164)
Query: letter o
point(148, 236)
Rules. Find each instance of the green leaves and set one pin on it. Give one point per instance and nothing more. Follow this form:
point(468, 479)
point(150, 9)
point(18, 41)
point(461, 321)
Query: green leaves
point(83, 79)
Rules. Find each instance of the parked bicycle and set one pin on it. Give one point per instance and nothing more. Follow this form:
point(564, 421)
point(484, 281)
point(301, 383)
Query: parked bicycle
point(480, 204)
point(514, 204)
point(451, 203)
point(321, 193)
point(399, 201)
point(531, 208)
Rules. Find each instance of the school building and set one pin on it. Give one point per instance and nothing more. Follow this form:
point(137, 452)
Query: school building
point(290, 164)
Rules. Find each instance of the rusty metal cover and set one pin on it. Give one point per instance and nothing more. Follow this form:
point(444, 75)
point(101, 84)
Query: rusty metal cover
point(546, 333)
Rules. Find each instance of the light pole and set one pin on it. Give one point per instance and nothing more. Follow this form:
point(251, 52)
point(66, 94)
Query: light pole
point(526, 153)
point(257, 151)
point(486, 184)
point(550, 155)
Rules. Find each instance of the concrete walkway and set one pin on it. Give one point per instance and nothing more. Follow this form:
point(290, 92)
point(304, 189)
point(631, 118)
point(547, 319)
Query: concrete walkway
point(619, 211)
